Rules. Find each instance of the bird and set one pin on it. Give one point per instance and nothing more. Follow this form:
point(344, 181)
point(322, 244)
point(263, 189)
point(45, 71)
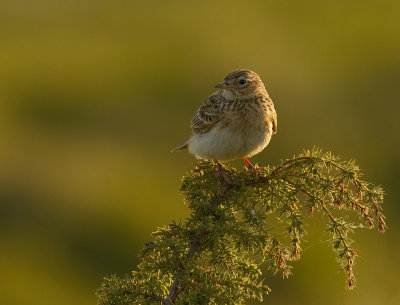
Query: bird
point(235, 122)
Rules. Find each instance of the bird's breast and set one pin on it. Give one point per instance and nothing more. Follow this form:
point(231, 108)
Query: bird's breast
point(245, 116)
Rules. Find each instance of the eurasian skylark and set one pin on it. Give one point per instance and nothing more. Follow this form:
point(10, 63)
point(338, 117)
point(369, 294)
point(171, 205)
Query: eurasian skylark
point(237, 121)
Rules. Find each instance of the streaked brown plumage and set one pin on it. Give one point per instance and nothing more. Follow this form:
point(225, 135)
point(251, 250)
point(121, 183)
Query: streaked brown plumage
point(235, 122)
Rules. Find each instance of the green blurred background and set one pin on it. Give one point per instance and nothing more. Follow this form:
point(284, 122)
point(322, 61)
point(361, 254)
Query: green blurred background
point(93, 95)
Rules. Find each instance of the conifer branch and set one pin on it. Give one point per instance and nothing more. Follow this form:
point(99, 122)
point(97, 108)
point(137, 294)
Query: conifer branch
point(217, 255)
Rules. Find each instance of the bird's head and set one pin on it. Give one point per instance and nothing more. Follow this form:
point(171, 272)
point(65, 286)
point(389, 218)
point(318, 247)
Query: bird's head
point(242, 83)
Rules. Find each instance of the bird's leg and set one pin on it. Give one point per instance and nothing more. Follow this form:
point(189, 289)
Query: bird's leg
point(222, 173)
point(251, 166)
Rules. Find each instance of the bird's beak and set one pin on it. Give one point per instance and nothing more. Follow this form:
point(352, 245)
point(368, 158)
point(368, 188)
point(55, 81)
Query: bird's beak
point(221, 85)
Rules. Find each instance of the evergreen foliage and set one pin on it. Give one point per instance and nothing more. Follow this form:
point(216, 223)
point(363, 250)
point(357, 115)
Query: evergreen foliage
point(218, 254)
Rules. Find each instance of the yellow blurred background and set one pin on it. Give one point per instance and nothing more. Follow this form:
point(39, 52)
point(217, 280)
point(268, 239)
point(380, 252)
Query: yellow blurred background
point(94, 94)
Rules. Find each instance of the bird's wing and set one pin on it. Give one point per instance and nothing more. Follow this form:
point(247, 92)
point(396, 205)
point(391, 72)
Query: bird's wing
point(208, 114)
point(274, 121)
point(272, 117)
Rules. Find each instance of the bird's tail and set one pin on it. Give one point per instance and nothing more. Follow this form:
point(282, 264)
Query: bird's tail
point(180, 147)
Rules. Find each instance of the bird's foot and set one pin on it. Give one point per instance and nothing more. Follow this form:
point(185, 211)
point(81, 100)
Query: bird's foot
point(252, 167)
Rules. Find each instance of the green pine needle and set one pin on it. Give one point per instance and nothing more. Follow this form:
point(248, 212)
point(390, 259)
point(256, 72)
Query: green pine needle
point(219, 253)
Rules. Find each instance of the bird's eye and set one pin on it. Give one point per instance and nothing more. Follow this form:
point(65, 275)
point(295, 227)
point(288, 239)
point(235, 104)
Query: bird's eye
point(242, 81)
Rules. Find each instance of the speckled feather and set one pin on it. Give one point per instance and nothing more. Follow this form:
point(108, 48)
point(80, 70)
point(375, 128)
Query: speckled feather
point(237, 121)
point(208, 114)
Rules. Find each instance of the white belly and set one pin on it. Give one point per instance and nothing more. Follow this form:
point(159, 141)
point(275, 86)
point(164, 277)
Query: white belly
point(228, 143)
